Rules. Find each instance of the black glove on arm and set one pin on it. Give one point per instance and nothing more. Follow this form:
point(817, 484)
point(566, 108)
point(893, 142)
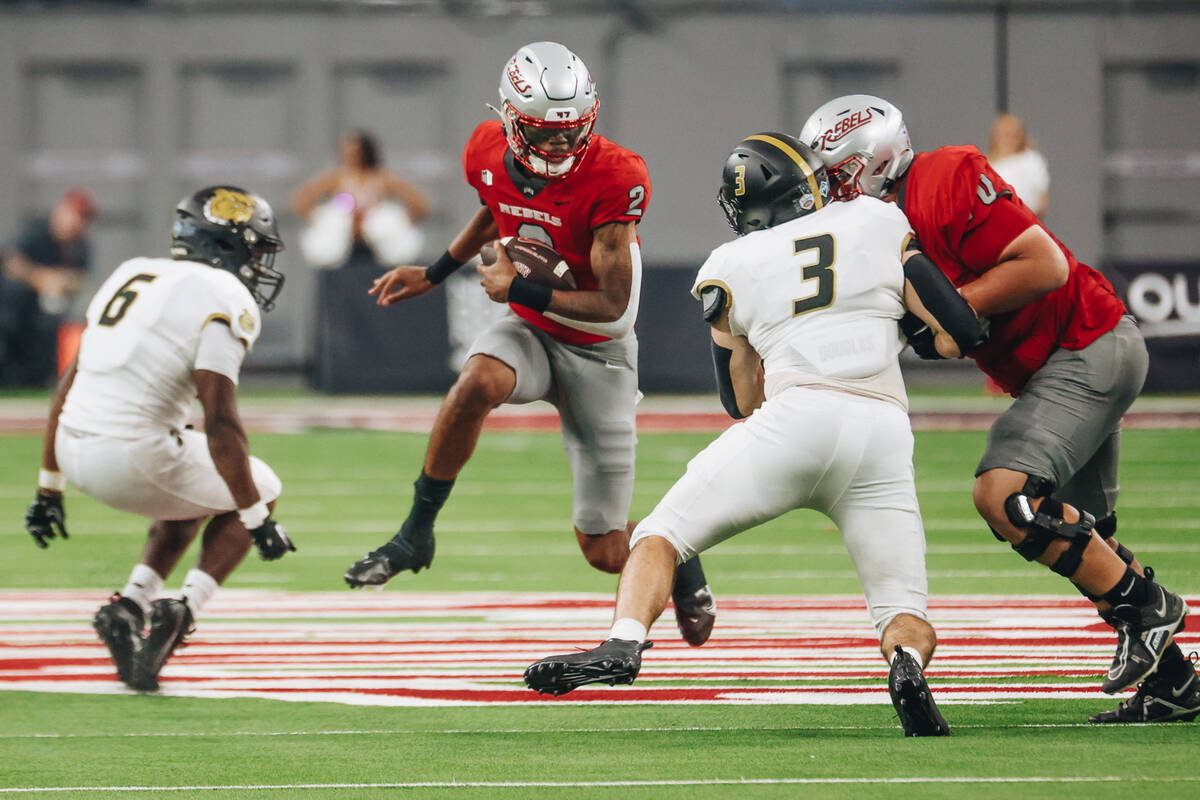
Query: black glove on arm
point(45, 517)
point(272, 540)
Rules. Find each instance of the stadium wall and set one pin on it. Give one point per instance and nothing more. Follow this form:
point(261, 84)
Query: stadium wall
point(143, 105)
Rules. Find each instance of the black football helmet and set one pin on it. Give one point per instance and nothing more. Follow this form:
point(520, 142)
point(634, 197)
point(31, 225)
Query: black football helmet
point(771, 178)
point(234, 230)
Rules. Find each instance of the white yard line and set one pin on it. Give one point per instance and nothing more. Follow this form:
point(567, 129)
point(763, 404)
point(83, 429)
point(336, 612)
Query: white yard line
point(526, 731)
point(964, 779)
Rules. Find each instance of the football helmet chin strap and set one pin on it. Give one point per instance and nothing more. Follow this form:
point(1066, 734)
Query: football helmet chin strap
point(1044, 525)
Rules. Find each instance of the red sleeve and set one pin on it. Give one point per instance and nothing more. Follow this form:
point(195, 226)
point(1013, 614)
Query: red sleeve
point(470, 171)
point(992, 218)
point(624, 193)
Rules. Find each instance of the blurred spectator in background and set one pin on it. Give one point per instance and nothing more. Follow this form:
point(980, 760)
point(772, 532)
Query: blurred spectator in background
point(42, 269)
point(1014, 157)
point(359, 211)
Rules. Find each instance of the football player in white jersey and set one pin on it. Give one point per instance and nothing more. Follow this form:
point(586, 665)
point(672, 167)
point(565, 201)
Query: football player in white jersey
point(161, 331)
point(805, 310)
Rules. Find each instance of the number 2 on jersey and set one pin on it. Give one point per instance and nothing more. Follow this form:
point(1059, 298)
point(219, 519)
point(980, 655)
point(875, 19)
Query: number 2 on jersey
point(114, 312)
point(821, 270)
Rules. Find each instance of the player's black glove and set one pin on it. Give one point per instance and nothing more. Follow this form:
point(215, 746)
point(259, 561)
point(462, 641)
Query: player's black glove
point(272, 540)
point(45, 518)
point(920, 337)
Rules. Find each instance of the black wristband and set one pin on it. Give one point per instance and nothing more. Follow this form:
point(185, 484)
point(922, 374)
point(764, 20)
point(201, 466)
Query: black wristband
point(441, 269)
point(529, 294)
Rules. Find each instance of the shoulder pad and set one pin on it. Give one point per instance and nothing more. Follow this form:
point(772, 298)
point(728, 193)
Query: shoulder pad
point(713, 300)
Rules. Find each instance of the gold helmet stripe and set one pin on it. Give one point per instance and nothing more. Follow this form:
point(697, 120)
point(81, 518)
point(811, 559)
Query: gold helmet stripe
point(783, 146)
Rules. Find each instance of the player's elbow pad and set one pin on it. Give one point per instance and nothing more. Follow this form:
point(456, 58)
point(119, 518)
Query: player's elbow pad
point(940, 298)
point(721, 357)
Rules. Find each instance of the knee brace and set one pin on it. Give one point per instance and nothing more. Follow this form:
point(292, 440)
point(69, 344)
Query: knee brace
point(1044, 526)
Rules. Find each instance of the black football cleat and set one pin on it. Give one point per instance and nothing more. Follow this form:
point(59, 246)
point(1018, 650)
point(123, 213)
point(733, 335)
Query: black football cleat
point(695, 614)
point(614, 661)
point(912, 699)
point(1143, 633)
point(119, 625)
point(1157, 700)
point(170, 623)
point(411, 548)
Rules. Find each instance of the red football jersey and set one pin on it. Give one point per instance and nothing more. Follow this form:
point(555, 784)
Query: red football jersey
point(610, 185)
point(964, 215)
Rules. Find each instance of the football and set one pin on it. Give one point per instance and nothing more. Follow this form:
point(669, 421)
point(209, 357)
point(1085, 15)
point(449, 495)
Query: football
point(534, 261)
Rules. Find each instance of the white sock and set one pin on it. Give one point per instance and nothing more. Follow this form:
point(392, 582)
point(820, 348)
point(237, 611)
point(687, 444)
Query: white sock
point(916, 655)
point(629, 629)
point(144, 585)
point(198, 589)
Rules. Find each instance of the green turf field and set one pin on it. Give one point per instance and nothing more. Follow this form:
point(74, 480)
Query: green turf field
point(507, 528)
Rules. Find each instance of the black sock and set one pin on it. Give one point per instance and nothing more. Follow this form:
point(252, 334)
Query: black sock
point(429, 495)
point(1132, 589)
point(689, 577)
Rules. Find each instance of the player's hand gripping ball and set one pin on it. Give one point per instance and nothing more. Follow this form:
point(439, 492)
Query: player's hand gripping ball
point(533, 261)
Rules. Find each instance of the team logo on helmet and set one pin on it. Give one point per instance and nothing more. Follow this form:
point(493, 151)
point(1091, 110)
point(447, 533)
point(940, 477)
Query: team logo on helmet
point(227, 207)
point(517, 79)
point(845, 125)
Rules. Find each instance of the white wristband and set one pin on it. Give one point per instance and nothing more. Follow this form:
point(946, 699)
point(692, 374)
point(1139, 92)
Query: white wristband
point(54, 481)
point(255, 515)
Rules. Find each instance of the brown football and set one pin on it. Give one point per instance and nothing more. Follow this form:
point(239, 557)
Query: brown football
point(534, 261)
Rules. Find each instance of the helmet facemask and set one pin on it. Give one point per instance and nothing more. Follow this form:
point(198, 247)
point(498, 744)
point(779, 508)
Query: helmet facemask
point(549, 148)
point(258, 274)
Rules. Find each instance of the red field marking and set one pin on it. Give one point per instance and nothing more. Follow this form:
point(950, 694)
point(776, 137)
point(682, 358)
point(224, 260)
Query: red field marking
point(417, 416)
point(794, 650)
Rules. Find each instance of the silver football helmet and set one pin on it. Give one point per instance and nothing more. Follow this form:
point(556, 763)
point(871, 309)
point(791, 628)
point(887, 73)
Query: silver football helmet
point(863, 141)
point(548, 105)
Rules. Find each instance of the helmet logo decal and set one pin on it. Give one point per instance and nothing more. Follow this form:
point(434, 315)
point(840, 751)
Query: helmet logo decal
point(739, 179)
point(227, 207)
point(845, 125)
point(517, 79)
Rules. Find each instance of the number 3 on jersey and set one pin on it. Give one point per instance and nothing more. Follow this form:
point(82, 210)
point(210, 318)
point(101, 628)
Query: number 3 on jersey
point(819, 252)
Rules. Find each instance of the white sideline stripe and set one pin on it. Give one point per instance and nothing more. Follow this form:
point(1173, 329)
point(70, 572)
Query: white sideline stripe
point(599, 784)
point(492, 731)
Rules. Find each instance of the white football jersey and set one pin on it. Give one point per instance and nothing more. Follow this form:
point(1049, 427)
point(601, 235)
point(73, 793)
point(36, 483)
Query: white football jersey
point(136, 370)
point(820, 297)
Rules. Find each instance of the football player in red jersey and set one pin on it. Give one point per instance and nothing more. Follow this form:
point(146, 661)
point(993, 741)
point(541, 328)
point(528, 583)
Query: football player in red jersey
point(1063, 346)
point(541, 173)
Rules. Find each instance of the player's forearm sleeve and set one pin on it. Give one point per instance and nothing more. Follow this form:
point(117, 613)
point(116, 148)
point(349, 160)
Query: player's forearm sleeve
point(940, 298)
point(721, 357)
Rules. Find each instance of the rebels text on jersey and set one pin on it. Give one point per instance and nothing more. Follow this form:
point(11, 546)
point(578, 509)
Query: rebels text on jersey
point(610, 185)
point(964, 215)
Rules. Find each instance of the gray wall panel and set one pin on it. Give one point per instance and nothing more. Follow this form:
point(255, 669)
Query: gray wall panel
point(681, 97)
